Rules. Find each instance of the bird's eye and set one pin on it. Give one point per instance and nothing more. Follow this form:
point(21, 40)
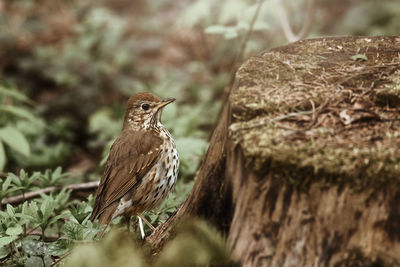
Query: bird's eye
point(145, 106)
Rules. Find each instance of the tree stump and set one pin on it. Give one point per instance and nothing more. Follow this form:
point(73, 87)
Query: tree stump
point(303, 168)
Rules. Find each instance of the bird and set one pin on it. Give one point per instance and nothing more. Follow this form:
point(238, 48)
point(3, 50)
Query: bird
point(142, 166)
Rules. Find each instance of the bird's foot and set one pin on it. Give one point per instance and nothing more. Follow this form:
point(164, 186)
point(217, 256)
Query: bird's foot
point(141, 227)
point(146, 221)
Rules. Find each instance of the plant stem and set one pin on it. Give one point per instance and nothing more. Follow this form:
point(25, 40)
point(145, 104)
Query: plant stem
point(15, 248)
point(43, 230)
point(247, 36)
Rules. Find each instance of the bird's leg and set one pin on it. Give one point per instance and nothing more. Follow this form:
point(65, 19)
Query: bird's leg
point(134, 225)
point(127, 221)
point(146, 221)
point(141, 227)
point(100, 235)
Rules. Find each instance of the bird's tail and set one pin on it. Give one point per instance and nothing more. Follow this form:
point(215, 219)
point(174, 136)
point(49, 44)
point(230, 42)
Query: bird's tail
point(104, 216)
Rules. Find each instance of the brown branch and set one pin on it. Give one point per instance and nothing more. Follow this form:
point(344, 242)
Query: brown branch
point(284, 21)
point(30, 195)
point(247, 37)
point(51, 238)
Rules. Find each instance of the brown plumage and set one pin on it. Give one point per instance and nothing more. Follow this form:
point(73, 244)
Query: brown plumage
point(142, 166)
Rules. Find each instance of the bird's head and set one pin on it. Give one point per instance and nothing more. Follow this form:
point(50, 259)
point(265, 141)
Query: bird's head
point(144, 110)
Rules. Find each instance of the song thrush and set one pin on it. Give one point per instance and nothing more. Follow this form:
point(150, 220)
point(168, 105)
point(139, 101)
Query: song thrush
point(143, 163)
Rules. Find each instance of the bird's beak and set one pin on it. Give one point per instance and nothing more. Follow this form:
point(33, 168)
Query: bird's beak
point(165, 102)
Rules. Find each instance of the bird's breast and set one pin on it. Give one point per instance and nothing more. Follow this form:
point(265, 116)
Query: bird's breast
point(160, 180)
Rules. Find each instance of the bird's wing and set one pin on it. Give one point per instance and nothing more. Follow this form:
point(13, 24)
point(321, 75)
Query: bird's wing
point(131, 157)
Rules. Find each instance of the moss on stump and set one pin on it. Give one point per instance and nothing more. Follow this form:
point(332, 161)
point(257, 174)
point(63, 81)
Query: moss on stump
point(323, 109)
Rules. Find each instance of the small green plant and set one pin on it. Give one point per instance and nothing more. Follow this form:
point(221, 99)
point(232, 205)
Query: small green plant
point(6, 188)
point(11, 108)
point(43, 216)
point(52, 214)
point(80, 211)
point(23, 183)
point(23, 133)
point(52, 178)
point(98, 47)
point(10, 226)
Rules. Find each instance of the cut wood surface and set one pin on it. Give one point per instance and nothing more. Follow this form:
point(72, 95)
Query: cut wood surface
point(303, 168)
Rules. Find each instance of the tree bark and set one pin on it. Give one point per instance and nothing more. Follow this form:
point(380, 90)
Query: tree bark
point(303, 167)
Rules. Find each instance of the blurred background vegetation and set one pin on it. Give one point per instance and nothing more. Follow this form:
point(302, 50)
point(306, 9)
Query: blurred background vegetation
point(67, 69)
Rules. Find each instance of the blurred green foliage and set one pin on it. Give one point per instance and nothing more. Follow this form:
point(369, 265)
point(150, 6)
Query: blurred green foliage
point(372, 18)
point(196, 244)
point(23, 133)
point(12, 110)
point(94, 58)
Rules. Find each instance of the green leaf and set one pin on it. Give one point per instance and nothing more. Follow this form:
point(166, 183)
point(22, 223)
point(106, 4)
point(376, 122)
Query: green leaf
point(14, 94)
point(20, 112)
point(15, 139)
point(360, 57)
point(34, 247)
point(16, 181)
point(40, 216)
point(36, 261)
point(6, 184)
point(243, 25)
point(45, 208)
point(190, 149)
point(35, 176)
point(10, 210)
point(7, 240)
point(58, 248)
point(215, 29)
point(32, 208)
point(14, 231)
point(57, 172)
point(3, 214)
point(56, 218)
point(4, 251)
point(260, 26)
point(231, 33)
point(25, 217)
point(3, 158)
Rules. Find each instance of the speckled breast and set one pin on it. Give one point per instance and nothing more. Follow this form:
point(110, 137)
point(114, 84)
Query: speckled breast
point(160, 180)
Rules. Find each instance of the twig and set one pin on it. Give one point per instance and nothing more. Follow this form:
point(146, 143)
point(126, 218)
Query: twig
point(287, 30)
point(248, 34)
point(51, 238)
point(279, 118)
point(73, 187)
point(315, 113)
point(57, 261)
